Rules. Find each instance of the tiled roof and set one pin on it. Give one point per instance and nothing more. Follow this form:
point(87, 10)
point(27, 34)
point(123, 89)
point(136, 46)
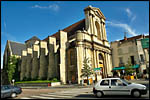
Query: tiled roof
point(133, 38)
point(147, 36)
point(71, 29)
point(17, 47)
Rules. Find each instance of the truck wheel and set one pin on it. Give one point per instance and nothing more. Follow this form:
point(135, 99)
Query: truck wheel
point(99, 94)
point(136, 94)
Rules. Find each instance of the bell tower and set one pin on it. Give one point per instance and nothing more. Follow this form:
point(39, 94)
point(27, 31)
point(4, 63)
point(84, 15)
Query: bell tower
point(95, 22)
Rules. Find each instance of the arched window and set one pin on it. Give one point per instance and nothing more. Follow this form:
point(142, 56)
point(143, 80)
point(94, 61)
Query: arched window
point(100, 56)
point(97, 29)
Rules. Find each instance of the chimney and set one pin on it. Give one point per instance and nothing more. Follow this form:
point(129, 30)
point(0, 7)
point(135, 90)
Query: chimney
point(125, 38)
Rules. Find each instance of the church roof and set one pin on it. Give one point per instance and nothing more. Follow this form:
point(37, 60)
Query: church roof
point(80, 25)
point(33, 38)
point(16, 47)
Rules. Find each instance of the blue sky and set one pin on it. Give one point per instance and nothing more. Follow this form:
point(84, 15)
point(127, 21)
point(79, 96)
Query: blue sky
point(20, 20)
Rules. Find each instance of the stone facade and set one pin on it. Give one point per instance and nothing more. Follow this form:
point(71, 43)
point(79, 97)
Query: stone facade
point(61, 55)
point(129, 49)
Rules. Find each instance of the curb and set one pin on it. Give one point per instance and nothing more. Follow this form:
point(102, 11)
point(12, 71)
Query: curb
point(61, 86)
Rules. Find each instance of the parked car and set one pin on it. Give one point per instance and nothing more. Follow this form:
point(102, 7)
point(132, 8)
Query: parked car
point(117, 86)
point(10, 91)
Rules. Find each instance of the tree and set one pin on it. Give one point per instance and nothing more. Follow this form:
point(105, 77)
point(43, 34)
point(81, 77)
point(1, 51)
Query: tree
point(11, 68)
point(128, 68)
point(87, 70)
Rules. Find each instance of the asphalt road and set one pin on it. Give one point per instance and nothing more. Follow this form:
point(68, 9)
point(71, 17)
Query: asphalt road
point(91, 96)
point(72, 92)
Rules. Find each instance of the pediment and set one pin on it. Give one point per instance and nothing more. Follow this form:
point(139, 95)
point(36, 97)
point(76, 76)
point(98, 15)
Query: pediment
point(98, 12)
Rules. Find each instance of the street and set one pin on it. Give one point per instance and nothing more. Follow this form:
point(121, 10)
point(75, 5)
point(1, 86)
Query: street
point(75, 93)
point(72, 92)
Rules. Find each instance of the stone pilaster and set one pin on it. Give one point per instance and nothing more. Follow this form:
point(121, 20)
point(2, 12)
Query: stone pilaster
point(51, 58)
point(35, 62)
point(43, 60)
point(80, 54)
point(29, 63)
point(109, 64)
point(101, 30)
point(63, 42)
point(23, 64)
point(105, 32)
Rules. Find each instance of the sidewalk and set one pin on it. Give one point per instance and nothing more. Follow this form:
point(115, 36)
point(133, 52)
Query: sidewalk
point(140, 81)
point(60, 86)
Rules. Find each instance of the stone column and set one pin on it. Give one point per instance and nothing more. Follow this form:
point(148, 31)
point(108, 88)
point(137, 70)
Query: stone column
point(43, 60)
point(105, 32)
point(109, 65)
point(108, 61)
point(105, 65)
point(35, 62)
point(23, 64)
point(94, 58)
point(91, 23)
point(101, 24)
point(51, 58)
point(29, 63)
point(63, 42)
point(80, 54)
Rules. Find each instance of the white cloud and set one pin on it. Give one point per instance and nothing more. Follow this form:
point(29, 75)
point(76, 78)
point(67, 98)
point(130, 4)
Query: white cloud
point(126, 27)
point(133, 18)
point(128, 12)
point(4, 24)
point(54, 7)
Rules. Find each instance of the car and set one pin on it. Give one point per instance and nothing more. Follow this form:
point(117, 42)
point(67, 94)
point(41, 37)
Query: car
point(117, 86)
point(10, 91)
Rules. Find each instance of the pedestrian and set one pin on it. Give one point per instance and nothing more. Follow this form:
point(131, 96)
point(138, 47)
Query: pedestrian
point(135, 76)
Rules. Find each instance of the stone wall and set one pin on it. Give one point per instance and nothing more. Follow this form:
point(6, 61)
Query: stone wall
point(40, 61)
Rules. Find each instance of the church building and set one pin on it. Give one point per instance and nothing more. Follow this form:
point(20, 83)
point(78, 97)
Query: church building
point(61, 54)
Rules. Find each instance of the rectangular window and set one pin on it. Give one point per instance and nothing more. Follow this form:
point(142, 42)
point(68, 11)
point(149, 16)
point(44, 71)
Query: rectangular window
point(120, 60)
point(142, 58)
point(132, 60)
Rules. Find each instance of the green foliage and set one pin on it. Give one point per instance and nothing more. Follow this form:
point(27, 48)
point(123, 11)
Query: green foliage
point(128, 68)
point(39, 81)
point(12, 65)
point(55, 80)
point(87, 70)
